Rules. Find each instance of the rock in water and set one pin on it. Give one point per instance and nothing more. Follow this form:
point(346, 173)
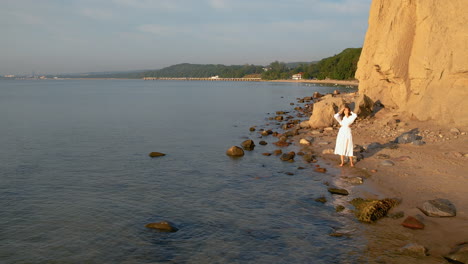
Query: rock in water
point(459, 254)
point(156, 154)
point(248, 144)
point(163, 226)
point(288, 156)
point(304, 141)
point(235, 151)
point(338, 191)
point(369, 211)
point(438, 208)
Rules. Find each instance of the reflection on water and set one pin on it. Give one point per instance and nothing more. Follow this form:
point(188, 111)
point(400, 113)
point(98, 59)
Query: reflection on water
point(77, 186)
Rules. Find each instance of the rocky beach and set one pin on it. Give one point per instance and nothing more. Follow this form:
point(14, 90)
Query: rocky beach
point(403, 166)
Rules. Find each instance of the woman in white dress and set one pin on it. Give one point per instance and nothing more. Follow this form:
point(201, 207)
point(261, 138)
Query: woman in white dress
point(344, 140)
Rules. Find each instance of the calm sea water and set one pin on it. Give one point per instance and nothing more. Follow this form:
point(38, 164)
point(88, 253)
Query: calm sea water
point(77, 185)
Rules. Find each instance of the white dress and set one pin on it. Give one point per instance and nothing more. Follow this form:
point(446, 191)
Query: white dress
point(344, 140)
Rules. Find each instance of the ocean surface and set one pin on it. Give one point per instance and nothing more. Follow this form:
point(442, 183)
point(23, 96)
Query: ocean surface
point(77, 184)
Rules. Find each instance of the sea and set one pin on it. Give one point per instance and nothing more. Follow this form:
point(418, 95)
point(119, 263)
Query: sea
point(77, 184)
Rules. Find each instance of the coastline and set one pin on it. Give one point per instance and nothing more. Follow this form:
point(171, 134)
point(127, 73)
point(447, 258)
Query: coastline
point(420, 173)
point(336, 82)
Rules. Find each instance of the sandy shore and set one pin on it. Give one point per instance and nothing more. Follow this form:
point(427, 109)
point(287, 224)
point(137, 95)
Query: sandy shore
point(338, 82)
point(436, 169)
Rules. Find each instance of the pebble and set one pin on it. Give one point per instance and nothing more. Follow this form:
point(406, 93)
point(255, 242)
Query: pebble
point(412, 223)
point(414, 249)
point(387, 163)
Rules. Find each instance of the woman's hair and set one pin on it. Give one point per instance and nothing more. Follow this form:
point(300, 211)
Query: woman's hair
point(343, 114)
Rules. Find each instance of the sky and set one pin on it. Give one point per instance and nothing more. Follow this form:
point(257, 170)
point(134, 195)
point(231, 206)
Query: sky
point(75, 36)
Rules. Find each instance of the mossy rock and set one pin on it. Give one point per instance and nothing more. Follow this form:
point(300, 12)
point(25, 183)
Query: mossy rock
point(369, 211)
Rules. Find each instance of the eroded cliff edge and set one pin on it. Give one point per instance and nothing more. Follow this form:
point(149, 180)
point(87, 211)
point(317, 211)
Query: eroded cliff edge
point(415, 59)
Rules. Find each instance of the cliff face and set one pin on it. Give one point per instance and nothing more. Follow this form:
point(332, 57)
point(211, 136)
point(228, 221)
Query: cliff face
point(415, 58)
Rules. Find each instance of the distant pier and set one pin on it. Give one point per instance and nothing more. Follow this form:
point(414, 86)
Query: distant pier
point(204, 79)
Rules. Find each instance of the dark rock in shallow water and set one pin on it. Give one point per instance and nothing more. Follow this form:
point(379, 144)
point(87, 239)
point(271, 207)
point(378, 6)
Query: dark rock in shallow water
point(396, 215)
point(339, 208)
point(338, 191)
point(252, 129)
point(288, 156)
point(459, 254)
point(413, 223)
point(277, 152)
point(163, 226)
point(369, 211)
point(248, 144)
point(438, 208)
point(263, 143)
point(235, 151)
point(321, 200)
point(322, 170)
point(156, 154)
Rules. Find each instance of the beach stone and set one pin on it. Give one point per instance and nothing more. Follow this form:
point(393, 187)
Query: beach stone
point(288, 156)
point(328, 129)
point(252, 129)
point(328, 151)
point(396, 215)
point(339, 208)
point(438, 208)
point(279, 118)
point(156, 154)
point(373, 145)
point(281, 112)
point(263, 143)
point(248, 144)
point(304, 141)
point(308, 157)
point(387, 163)
point(413, 223)
point(317, 95)
point(414, 250)
point(235, 151)
point(354, 180)
point(368, 210)
point(322, 170)
point(266, 154)
point(324, 143)
point(300, 153)
point(338, 191)
point(281, 143)
point(162, 226)
point(277, 152)
point(407, 137)
point(321, 199)
point(455, 131)
point(336, 92)
point(300, 168)
point(458, 254)
point(364, 106)
point(315, 132)
point(418, 142)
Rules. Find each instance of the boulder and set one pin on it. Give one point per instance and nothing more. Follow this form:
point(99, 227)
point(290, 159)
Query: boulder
point(368, 210)
point(248, 144)
point(387, 163)
point(459, 254)
point(235, 151)
point(324, 111)
point(156, 154)
point(364, 106)
point(163, 226)
point(413, 223)
point(317, 95)
point(438, 208)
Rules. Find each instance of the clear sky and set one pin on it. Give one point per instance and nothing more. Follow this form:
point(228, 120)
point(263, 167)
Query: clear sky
point(72, 36)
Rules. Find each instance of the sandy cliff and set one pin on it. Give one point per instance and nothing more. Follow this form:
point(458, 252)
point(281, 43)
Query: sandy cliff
point(415, 58)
